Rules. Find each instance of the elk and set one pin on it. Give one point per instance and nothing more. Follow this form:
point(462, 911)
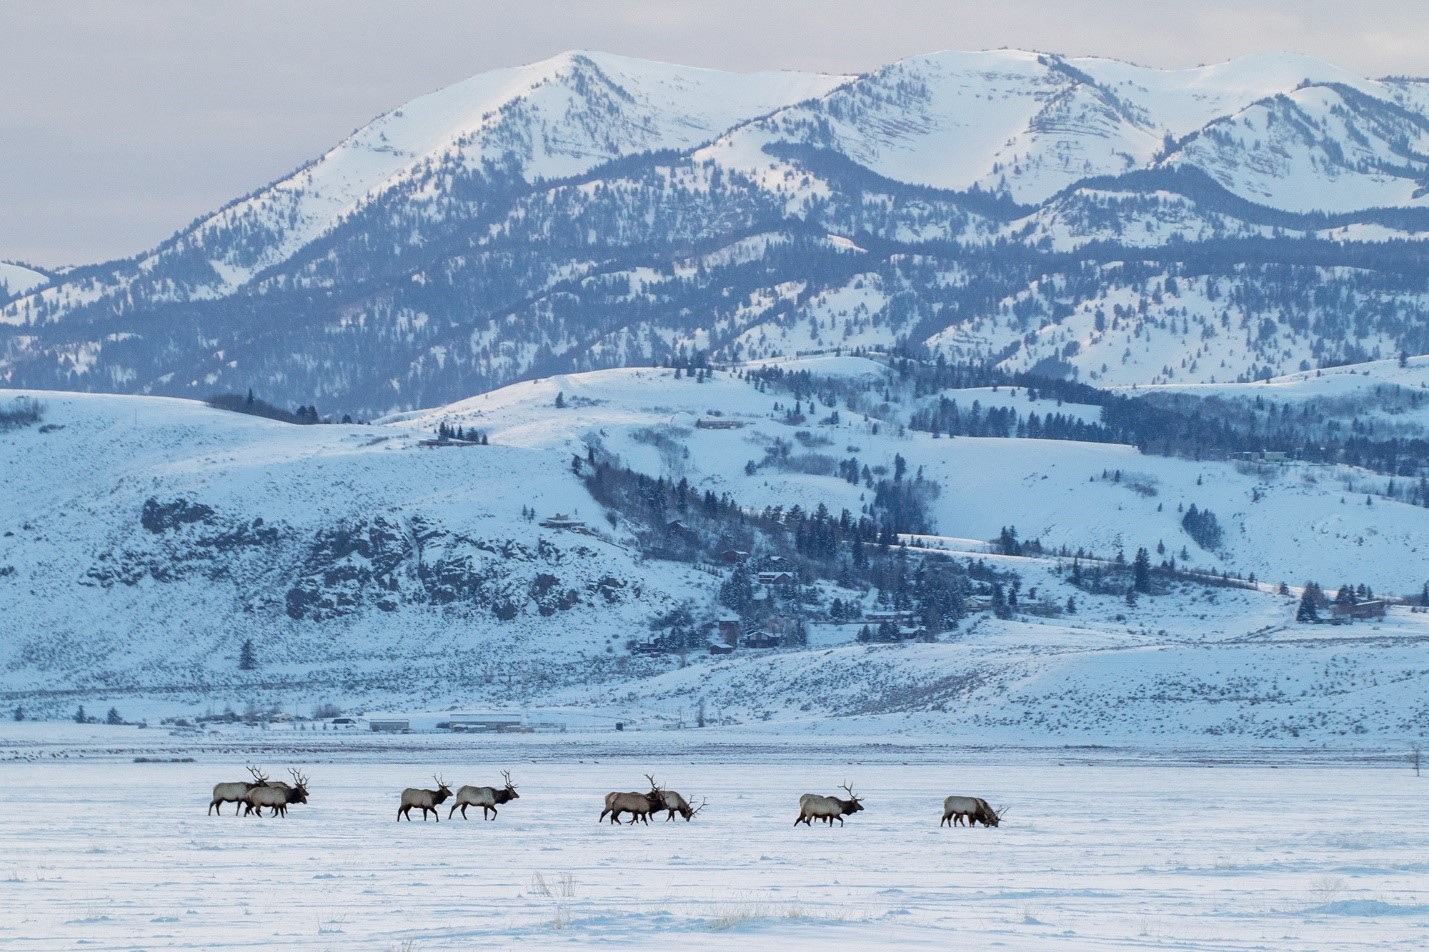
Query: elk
point(485, 797)
point(277, 795)
point(814, 807)
point(674, 803)
point(638, 805)
point(426, 799)
point(975, 809)
point(236, 792)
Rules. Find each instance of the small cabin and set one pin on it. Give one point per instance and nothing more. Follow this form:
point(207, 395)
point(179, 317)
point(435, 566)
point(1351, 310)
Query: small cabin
point(1373, 608)
point(733, 556)
point(561, 521)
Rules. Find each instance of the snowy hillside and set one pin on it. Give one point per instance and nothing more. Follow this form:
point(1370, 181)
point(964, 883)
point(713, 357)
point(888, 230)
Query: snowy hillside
point(146, 540)
point(16, 280)
point(1082, 218)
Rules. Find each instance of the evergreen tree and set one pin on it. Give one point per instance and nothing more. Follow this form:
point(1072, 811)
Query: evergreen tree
point(113, 716)
point(1307, 612)
point(737, 591)
point(19, 713)
point(247, 659)
point(1141, 571)
point(79, 716)
point(561, 400)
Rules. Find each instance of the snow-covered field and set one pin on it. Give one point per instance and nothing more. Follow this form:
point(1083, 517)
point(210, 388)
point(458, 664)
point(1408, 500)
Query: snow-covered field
point(1109, 853)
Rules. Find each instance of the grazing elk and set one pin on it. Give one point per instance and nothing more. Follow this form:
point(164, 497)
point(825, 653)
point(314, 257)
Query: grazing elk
point(236, 792)
point(674, 803)
point(426, 799)
point(975, 809)
point(277, 795)
point(638, 805)
point(814, 807)
point(485, 797)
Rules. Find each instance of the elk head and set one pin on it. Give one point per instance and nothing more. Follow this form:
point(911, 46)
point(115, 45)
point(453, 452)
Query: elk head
point(510, 787)
point(691, 812)
point(442, 789)
point(853, 803)
point(994, 817)
point(300, 786)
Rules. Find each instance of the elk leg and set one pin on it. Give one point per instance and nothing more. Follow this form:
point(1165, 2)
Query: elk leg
point(493, 812)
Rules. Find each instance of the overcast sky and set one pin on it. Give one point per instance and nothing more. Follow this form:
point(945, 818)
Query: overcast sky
point(120, 122)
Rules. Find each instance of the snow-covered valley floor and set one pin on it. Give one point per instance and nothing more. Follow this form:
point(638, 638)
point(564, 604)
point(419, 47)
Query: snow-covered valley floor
point(104, 853)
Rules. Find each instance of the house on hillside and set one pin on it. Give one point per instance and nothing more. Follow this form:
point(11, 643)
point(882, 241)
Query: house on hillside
point(1373, 608)
point(733, 556)
point(562, 521)
point(729, 629)
point(775, 578)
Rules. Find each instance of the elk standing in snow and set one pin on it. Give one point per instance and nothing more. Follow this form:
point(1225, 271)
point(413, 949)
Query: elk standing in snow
point(814, 807)
point(975, 809)
point(485, 797)
point(426, 799)
point(674, 803)
point(236, 792)
point(277, 795)
point(638, 805)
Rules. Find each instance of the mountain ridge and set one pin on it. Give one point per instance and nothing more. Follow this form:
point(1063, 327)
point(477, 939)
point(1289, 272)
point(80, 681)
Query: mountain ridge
point(593, 210)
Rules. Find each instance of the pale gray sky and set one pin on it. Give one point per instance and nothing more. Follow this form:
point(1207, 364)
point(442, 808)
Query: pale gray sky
point(120, 122)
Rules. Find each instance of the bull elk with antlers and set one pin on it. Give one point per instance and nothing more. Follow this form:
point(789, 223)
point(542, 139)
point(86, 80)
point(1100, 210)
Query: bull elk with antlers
point(426, 799)
point(277, 795)
point(674, 803)
point(236, 792)
point(638, 805)
point(814, 807)
point(975, 809)
point(485, 797)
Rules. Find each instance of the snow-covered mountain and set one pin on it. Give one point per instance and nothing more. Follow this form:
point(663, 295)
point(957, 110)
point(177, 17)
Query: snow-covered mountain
point(146, 539)
point(1083, 217)
point(16, 280)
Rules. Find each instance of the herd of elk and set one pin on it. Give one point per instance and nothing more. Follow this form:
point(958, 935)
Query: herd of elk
point(488, 798)
point(641, 805)
point(260, 793)
point(975, 809)
point(814, 807)
point(278, 796)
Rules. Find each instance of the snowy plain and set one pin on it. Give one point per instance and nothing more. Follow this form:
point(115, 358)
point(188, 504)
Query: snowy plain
point(1101, 849)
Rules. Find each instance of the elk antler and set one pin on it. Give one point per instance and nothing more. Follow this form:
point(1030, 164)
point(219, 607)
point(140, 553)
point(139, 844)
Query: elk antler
point(258, 776)
point(298, 778)
point(440, 782)
point(695, 812)
point(506, 775)
point(654, 787)
point(849, 790)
